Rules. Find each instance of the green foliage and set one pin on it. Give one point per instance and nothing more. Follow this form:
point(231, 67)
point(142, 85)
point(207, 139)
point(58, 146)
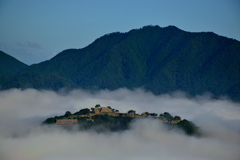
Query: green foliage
point(176, 118)
point(82, 119)
point(59, 117)
point(68, 113)
point(160, 59)
point(112, 123)
point(188, 127)
point(147, 113)
point(168, 116)
point(131, 112)
point(103, 123)
point(153, 114)
point(97, 106)
point(37, 81)
point(9, 65)
point(83, 112)
point(50, 121)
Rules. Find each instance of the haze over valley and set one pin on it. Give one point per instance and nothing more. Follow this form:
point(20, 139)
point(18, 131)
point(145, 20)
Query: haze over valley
point(22, 111)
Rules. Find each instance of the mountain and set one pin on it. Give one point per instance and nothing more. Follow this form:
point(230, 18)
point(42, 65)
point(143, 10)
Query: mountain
point(9, 65)
point(161, 60)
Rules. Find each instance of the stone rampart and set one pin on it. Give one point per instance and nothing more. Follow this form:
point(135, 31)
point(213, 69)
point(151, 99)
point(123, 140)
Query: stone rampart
point(105, 109)
point(66, 121)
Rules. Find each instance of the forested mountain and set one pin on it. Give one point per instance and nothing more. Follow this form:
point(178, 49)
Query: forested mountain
point(159, 59)
point(10, 65)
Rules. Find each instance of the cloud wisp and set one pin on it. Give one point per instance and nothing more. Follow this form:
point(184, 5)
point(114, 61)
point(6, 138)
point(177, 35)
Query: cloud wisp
point(33, 45)
point(21, 136)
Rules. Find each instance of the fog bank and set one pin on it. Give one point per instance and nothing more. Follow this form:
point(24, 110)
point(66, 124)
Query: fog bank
point(21, 136)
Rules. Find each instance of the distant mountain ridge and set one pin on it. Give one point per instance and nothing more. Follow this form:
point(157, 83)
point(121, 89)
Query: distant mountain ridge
point(161, 60)
point(10, 65)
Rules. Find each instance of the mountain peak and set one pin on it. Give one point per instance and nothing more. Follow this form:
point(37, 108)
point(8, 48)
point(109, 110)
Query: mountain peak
point(161, 60)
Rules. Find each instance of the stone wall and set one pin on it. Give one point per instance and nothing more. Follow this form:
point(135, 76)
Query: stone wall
point(66, 121)
point(114, 114)
point(97, 110)
point(105, 109)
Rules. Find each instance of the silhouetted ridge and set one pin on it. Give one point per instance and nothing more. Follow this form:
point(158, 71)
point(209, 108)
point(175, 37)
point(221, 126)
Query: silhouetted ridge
point(159, 59)
point(10, 65)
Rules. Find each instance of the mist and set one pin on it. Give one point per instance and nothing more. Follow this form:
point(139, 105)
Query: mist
point(23, 138)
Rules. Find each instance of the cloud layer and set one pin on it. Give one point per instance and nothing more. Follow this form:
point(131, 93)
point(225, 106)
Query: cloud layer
point(21, 136)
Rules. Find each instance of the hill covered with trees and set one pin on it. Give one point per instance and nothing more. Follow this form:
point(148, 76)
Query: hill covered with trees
point(161, 60)
point(104, 119)
point(10, 65)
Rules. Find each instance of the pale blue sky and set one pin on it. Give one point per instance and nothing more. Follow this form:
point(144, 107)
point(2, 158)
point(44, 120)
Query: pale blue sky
point(36, 30)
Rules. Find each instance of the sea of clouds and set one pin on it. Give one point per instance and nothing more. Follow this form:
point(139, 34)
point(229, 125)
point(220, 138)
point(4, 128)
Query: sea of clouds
point(23, 138)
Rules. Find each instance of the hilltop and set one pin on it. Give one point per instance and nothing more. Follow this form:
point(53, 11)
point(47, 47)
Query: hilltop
point(110, 119)
point(161, 60)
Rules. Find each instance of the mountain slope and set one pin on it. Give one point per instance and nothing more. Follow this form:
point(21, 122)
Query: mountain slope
point(9, 65)
point(159, 59)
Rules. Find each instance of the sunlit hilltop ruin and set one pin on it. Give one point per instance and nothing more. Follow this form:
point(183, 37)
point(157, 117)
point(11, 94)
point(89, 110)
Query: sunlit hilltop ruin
point(86, 113)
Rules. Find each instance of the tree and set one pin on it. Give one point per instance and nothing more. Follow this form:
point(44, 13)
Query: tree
point(153, 114)
point(177, 118)
point(131, 112)
point(68, 113)
point(50, 121)
point(97, 106)
point(82, 119)
point(145, 113)
point(168, 116)
point(84, 111)
point(188, 127)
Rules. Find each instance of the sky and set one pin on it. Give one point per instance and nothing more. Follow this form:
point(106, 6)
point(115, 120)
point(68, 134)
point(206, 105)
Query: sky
point(35, 31)
point(23, 138)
